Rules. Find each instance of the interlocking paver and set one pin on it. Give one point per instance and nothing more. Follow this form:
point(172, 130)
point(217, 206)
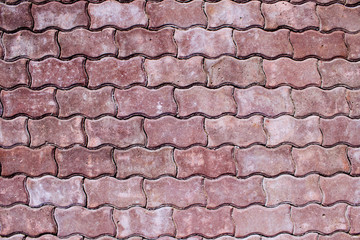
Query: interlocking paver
point(338, 16)
point(14, 17)
point(13, 73)
point(13, 190)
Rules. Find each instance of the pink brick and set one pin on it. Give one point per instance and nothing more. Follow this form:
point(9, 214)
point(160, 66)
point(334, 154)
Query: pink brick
point(234, 14)
point(339, 71)
point(240, 132)
point(59, 132)
point(338, 16)
point(268, 102)
point(161, 192)
point(354, 158)
point(313, 43)
point(314, 100)
point(13, 73)
point(267, 161)
point(353, 99)
point(13, 190)
point(56, 72)
point(109, 130)
point(325, 161)
point(290, 15)
point(51, 190)
point(31, 45)
point(14, 17)
point(321, 219)
point(108, 190)
point(309, 236)
point(290, 72)
point(210, 102)
point(52, 237)
point(204, 161)
point(175, 71)
point(120, 14)
point(353, 43)
point(29, 221)
point(173, 131)
point(144, 101)
point(90, 223)
point(26, 101)
point(14, 237)
point(340, 129)
point(208, 223)
point(338, 235)
point(270, 44)
point(354, 219)
point(147, 223)
point(266, 221)
point(63, 16)
point(131, 162)
point(121, 73)
point(143, 41)
point(230, 70)
point(85, 42)
point(299, 132)
point(171, 12)
point(237, 192)
point(203, 42)
point(13, 132)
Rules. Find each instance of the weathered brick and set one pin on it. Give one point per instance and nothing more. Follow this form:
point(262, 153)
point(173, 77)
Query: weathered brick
point(149, 102)
point(269, 102)
point(119, 193)
point(15, 237)
point(290, 72)
point(12, 190)
point(109, 130)
point(230, 70)
point(313, 43)
point(147, 223)
point(14, 17)
point(158, 162)
point(297, 191)
point(211, 102)
point(172, 70)
point(90, 223)
point(339, 71)
point(266, 221)
point(290, 15)
point(31, 45)
point(142, 41)
point(270, 44)
point(170, 130)
point(353, 43)
point(121, 15)
point(319, 1)
point(353, 99)
point(13, 73)
point(198, 220)
point(326, 161)
point(234, 14)
point(121, 73)
point(259, 159)
point(91, 103)
point(253, 237)
point(13, 132)
point(203, 42)
point(56, 72)
point(240, 132)
point(321, 219)
point(354, 158)
point(63, 16)
point(339, 16)
point(340, 129)
point(26, 101)
point(171, 12)
point(82, 41)
point(59, 192)
point(315, 100)
point(354, 219)
point(238, 192)
point(52, 237)
point(31, 162)
point(309, 236)
point(296, 131)
point(338, 235)
point(29, 221)
point(204, 161)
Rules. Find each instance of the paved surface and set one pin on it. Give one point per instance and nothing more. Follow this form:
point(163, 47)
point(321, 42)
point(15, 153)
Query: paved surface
point(180, 120)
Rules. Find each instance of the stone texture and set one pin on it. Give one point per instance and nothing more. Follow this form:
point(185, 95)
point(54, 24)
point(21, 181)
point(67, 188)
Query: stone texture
point(354, 157)
point(13, 73)
point(270, 44)
point(339, 235)
point(309, 236)
point(109, 130)
point(339, 72)
point(340, 129)
point(268, 102)
point(13, 132)
point(14, 17)
point(62, 133)
point(229, 70)
point(12, 190)
point(131, 162)
point(52, 237)
point(108, 190)
point(259, 159)
point(14, 237)
point(339, 16)
point(203, 161)
point(354, 219)
point(353, 99)
point(201, 42)
point(240, 132)
point(353, 43)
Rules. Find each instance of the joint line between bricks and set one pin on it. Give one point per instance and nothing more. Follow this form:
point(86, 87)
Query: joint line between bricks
point(233, 96)
point(172, 219)
point(87, 14)
point(176, 102)
point(292, 54)
point(83, 188)
point(145, 133)
point(175, 164)
point(2, 45)
point(30, 10)
point(142, 184)
point(292, 159)
point(319, 72)
point(263, 71)
point(235, 44)
point(53, 152)
point(176, 44)
point(262, 14)
point(346, 215)
point(144, 71)
point(267, 135)
point(264, 190)
point(56, 36)
point(292, 102)
point(57, 113)
point(203, 7)
point(26, 190)
point(204, 191)
point(27, 131)
point(147, 15)
point(207, 135)
point(348, 159)
point(234, 159)
point(86, 137)
point(346, 45)
point(321, 190)
point(113, 221)
point(87, 78)
point(113, 98)
point(112, 156)
point(318, 17)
